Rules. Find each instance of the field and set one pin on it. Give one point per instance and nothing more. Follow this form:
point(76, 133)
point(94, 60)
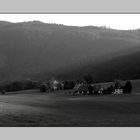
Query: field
point(32, 108)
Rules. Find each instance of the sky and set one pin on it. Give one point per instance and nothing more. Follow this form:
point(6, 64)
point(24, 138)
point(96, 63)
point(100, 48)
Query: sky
point(114, 21)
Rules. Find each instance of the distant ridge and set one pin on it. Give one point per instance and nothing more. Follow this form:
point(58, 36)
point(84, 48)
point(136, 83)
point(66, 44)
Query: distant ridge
point(40, 51)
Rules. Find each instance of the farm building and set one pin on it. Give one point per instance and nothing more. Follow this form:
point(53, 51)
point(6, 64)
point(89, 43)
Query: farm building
point(84, 89)
point(76, 87)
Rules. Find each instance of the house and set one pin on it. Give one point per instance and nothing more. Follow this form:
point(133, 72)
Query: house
point(55, 85)
point(118, 88)
point(118, 91)
point(76, 87)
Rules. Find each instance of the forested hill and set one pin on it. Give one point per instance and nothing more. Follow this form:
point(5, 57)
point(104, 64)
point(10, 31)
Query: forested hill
point(39, 50)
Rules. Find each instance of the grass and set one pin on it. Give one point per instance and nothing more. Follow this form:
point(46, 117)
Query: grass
point(32, 108)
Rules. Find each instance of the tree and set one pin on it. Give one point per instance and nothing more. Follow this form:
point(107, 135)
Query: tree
point(90, 89)
point(88, 79)
point(69, 85)
point(16, 86)
point(109, 90)
point(43, 88)
point(128, 87)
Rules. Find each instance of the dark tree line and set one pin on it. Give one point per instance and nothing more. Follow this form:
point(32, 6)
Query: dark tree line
point(18, 85)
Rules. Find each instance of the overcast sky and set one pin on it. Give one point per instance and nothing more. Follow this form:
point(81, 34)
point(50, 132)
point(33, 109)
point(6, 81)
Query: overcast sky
point(115, 21)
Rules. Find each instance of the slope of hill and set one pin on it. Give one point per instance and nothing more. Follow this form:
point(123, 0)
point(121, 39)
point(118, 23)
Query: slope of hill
point(39, 50)
point(124, 66)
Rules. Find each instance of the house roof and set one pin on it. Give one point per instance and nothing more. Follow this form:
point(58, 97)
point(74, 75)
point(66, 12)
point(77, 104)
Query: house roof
point(83, 88)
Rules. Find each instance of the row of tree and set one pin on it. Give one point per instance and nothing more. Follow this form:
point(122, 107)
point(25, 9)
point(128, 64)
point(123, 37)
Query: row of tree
point(65, 85)
point(19, 85)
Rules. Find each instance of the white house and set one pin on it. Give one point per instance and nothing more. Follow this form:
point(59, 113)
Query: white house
point(118, 88)
point(118, 91)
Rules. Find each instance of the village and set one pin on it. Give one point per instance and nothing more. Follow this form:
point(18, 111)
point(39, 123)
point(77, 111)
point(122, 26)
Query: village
point(78, 87)
point(71, 87)
point(83, 88)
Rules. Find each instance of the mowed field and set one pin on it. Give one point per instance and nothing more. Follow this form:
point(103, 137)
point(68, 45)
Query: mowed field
point(32, 108)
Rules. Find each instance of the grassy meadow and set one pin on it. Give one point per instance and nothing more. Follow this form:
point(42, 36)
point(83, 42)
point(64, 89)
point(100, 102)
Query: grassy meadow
point(32, 108)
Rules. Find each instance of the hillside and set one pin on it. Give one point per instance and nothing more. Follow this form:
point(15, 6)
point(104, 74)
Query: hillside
point(41, 51)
